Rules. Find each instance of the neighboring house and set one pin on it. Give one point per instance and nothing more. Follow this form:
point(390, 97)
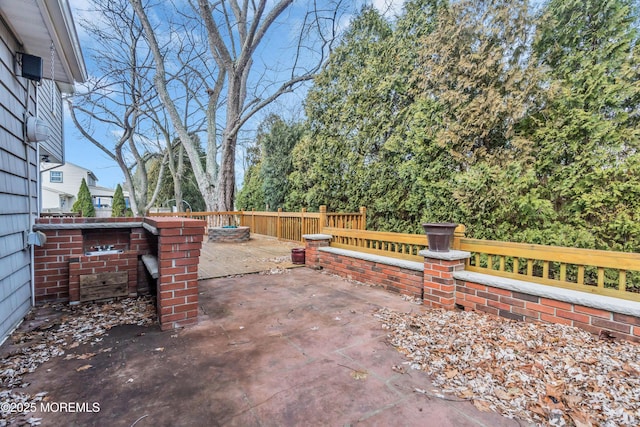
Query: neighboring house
point(40, 58)
point(60, 186)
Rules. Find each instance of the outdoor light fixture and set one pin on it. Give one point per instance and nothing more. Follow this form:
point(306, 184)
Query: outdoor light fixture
point(37, 130)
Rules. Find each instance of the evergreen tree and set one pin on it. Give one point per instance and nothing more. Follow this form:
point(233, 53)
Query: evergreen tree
point(587, 134)
point(349, 111)
point(476, 64)
point(278, 140)
point(251, 196)
point(84, 204)
point(118, 208)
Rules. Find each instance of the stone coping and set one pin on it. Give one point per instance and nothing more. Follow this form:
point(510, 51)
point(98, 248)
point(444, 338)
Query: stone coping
point(97, 226)
point(317, 236)
point(451, 255)
point(586, 299)
point(409, 265)
point(87, 225)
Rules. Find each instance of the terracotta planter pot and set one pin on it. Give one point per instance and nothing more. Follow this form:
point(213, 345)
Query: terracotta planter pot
point(439, 235)
point(297, 256)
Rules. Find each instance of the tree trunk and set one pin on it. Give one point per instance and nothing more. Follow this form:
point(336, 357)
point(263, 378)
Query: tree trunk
point(226, 182)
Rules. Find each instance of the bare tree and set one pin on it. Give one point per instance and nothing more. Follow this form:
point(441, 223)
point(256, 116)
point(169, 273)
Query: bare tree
point(121, 99)
point(237, 89)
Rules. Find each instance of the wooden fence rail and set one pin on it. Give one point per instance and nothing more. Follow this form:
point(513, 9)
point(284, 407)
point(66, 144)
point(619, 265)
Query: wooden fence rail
point(609, 273)
point(283, 225)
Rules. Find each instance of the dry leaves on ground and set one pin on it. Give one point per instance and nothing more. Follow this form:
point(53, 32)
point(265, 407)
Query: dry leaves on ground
point(276, 260)
point(81, 324)
point(542, 373)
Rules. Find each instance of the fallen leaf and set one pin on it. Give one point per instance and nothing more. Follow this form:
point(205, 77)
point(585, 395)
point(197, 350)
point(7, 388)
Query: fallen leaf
point(501, 394)
point(581, 419)
point(465, 394)
point(84, 368)
point(451, 374)
point(482, 405)
point(85, 356)
point(359, 375)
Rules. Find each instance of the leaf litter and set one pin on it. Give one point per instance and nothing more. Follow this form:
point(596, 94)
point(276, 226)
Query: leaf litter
point(27, 348)
point(546, 374)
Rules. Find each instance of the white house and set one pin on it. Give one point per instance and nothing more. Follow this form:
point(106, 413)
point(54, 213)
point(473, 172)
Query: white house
point(40, 58)
point(61, 183)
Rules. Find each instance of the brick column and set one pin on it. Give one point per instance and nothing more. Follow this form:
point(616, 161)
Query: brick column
point(312, 243)
point(179, 243)
point(439, 285)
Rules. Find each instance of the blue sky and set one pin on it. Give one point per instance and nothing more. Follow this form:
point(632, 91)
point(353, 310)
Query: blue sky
point(85, 154)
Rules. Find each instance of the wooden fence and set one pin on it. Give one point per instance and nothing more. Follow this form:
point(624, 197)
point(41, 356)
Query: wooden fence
point(609, 273)
point(283, 225)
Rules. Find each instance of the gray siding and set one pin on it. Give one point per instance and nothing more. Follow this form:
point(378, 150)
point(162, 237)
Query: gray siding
point(51, 113)
point(17, 161)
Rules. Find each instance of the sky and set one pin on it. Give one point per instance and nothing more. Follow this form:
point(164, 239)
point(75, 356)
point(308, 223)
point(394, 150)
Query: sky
point(83, 153)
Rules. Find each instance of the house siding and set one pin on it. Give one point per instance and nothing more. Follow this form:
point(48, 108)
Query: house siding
point(50, 112)
point(18, 192)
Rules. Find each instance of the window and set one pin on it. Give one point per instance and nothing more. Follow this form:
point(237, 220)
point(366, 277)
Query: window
point(55, 176)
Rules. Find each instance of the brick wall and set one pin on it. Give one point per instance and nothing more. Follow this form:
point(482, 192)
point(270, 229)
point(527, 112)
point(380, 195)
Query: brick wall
point(51, 264)
point(391, 277)
point(439, 288)
point(525, 307)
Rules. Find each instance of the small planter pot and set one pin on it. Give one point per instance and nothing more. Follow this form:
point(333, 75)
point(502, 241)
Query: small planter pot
point(439, 235)
point(297, 256)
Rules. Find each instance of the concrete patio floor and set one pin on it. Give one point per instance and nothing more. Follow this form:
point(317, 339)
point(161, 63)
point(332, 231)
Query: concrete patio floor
point(300, 348)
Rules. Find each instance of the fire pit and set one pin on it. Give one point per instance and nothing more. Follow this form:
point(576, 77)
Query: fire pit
point(229, 234)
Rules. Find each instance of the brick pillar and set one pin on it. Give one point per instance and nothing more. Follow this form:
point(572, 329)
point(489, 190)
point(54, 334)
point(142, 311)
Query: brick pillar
point(179, 243)
point(439, 285)
point(312, 243)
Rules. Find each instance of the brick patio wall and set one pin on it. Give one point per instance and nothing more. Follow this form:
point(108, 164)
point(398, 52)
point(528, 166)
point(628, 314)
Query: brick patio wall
point(391, 277)
point(445, 284)
point(61, 260)
point(527, 307)
point(374, 270)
